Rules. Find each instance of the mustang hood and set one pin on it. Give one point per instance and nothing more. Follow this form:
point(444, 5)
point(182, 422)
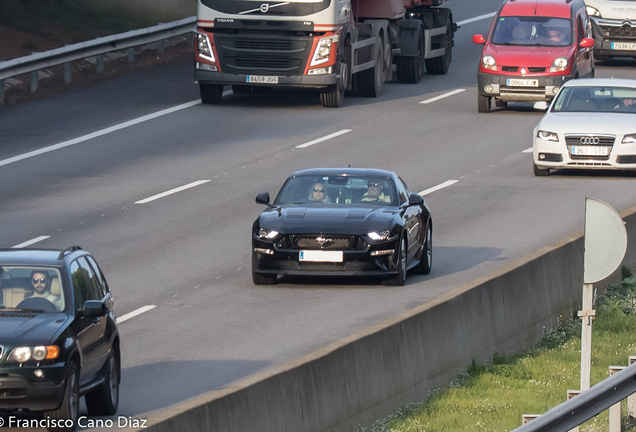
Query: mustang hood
point(592, 123)
point(327, 219)
point(28, 328)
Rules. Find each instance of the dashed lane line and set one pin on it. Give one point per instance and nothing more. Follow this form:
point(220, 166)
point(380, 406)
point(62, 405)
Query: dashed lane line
point(477, 18)
point(325, 138)
point(442, 96)
point(30, 242)
point(134, 313)
point(172, 191)
point(438, 187)
point(528, 150)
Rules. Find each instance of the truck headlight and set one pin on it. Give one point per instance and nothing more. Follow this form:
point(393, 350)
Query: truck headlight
point(559, 64)
point(380, 235)
point(269, 235)
point(323, 50)
point(205, 49)
point(547, 136)
point(489, 62)
point(592, 11)
point(629, 139)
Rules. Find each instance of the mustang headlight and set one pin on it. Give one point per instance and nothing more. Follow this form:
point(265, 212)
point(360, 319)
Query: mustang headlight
point(489, 62)
point(547, 136)
point(265, 234)
point(323, 50)
point(592, 11)
point(381, 235)
point(559, 64)
point(205, 50)
point(629, 139)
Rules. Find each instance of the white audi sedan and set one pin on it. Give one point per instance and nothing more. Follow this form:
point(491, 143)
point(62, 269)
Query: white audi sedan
point(591, 123)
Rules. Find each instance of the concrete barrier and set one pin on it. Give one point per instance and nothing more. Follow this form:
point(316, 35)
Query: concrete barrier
point(367, 376)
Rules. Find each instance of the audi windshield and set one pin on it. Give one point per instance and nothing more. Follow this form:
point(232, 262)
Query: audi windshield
point(596, 99)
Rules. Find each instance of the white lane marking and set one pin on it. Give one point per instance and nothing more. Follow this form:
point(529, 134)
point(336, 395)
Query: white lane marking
point(325, 138)
point(529, 150)
point(227, 93)
point(171, 191)
point(442, 96)
point(30, 242)
point(98, 133)
point(477, 18)
point(438, 187)
point(134, 313)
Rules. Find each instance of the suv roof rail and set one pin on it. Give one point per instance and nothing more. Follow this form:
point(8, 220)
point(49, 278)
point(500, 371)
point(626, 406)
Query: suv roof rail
point(68, 249)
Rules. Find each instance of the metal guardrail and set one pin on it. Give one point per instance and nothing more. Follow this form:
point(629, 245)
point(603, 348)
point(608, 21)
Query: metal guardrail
point(93, 48)
point(586, 405)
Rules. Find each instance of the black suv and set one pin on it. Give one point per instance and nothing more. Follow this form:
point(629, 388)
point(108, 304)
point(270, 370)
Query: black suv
point(58, 336)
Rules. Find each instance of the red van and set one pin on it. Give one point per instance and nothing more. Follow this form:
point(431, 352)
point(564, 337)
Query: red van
point(533, 47)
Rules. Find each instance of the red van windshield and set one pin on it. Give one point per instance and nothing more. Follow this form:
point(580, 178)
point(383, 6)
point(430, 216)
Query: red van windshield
point(533, 31)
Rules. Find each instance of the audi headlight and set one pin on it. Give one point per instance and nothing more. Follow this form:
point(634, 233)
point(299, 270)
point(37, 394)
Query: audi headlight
point(629, 139)
point(265, 234)
point(21, 354)
point(592, 11)
point(323, 50)
point(489, 62)
point(205, 50)
point(547, 136)
point(380, 235)
point(559, 64)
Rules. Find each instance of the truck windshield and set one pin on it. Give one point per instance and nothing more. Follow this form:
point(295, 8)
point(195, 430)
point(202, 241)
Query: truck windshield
point(533, 31)
point(265, 10)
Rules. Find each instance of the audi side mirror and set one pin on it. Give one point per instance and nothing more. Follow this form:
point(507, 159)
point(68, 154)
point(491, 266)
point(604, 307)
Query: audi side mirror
point(542, 105)
point(587, 43)
point(263, 198)
point(415, 199)
point(479, 39)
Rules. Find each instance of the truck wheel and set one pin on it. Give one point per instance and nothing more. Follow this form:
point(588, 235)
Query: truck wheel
point(483, 103)
point(211, 93)
point(241, 89)
point(334, 96)
point(371, 80)
point(410, 69)
point(440, 65)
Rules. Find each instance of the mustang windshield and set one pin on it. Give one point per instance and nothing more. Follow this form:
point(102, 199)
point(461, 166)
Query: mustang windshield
point(596, 99)
point(326, 190)
point(37, 289)
point(533, 31)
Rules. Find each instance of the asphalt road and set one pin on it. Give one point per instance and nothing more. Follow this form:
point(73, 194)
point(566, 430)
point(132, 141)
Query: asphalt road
point(188, 253)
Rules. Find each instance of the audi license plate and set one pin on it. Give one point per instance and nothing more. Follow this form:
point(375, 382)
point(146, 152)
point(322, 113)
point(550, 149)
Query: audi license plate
point(624, 46)
point(522, 82)
point(590, 151)
point(261, 79)
point(321, 256)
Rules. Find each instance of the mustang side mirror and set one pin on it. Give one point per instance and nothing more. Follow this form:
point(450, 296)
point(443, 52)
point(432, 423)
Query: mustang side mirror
point(587, 43)
point(415, 199)
point(479, 39)
point(263, 198)
point(94, 308)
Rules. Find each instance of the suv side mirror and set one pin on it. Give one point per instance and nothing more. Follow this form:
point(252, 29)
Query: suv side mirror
point(479, 39)
point(587, 43)
point(415, 199)
point(94, 308)
point(263, 198)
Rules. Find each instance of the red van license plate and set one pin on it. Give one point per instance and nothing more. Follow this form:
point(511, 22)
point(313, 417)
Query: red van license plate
point(522, 82)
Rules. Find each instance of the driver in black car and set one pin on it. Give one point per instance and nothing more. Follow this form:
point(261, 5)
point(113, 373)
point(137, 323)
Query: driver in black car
point(375, 193)
point(40, 282)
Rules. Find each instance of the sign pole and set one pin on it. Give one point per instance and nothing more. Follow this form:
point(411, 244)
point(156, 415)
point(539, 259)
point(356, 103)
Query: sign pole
point(586, 315)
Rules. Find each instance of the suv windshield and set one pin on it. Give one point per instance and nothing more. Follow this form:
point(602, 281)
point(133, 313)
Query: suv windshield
point(33, 288)
point(532, 31)
point(322, 190)
point(596, 99)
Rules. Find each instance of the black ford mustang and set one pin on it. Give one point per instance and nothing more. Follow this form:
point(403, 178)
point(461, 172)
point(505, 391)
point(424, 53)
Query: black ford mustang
point(342, 222)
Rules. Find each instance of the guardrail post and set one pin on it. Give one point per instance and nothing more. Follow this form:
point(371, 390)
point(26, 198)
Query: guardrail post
point(525, 418)
point(1, 92)
point(631, 400)
point(190, 38)
point(67, 72)
point(615, 410)
point(161, 46)
point(34, 81)
point(99, 63)
point(571, 394)
point(131, 55)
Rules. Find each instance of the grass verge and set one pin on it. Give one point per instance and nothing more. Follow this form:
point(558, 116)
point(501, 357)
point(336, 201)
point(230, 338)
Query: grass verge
point(493, 396)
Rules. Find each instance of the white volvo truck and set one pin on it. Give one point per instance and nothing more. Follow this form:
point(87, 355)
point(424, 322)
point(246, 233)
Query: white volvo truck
point(331, 45)
point(614, 28)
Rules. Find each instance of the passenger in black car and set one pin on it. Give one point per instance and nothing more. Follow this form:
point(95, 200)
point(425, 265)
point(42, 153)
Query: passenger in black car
point(318, 192)
point(375, 193)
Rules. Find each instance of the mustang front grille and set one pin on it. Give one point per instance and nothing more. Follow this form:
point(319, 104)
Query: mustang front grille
point(321, 242)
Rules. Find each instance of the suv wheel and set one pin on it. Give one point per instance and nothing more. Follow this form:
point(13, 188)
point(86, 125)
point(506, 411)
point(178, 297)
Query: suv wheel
point(105, 399)
point(70, 404)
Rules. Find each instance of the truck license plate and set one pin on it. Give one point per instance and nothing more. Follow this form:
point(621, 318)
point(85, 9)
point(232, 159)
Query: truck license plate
point(320, 256)
point(624, 46)
point(522, 82)
point(261, 79)
point(590, 151)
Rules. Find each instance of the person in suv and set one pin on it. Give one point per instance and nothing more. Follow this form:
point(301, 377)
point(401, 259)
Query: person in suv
point(54, 352)
point(533, 47)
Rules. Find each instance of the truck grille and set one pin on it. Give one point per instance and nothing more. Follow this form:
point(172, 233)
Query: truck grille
point(625, 31)
point(331, 242)
point(263, 55)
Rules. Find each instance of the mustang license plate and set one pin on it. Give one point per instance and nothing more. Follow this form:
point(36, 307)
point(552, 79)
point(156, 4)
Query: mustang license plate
point(510, 82)
point(624, 46)
point(321, 256)
point(590, 151)
point(261, 79)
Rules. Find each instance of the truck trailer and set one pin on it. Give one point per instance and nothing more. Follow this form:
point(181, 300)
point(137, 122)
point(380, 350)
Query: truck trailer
point(335, 46)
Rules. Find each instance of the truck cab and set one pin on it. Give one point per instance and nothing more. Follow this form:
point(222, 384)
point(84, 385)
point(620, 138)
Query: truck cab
point(614, 28)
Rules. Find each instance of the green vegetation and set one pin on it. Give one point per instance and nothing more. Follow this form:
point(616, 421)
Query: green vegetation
point(493, 396)
point(82, 20)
